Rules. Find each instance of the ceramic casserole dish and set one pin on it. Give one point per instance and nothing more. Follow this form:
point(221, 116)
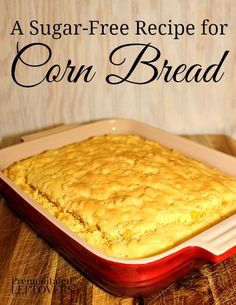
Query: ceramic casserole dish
point(123, 277)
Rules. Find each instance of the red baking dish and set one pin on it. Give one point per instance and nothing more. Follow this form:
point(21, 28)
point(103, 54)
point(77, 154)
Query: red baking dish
point(123, 277)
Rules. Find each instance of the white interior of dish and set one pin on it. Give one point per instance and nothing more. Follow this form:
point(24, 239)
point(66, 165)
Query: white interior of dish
point(218, 239)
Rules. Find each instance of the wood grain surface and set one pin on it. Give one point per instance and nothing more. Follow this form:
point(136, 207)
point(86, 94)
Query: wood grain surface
point(176, 107)
point(26, 256)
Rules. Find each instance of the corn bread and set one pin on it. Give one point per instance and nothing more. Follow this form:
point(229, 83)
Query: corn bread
point(127, 196)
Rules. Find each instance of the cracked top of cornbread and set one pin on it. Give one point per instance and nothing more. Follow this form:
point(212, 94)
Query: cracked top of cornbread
point(127, 196)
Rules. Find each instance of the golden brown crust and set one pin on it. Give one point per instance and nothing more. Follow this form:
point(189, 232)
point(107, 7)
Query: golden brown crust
point(127, 196)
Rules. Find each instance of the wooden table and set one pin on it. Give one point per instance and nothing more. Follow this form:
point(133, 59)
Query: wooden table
point(26, 259)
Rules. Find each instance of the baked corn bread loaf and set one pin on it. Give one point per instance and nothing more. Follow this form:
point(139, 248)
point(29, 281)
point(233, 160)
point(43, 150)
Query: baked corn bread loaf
point(127, 196)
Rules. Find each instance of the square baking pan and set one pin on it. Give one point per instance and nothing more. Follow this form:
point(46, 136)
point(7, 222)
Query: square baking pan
point(123, 277)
